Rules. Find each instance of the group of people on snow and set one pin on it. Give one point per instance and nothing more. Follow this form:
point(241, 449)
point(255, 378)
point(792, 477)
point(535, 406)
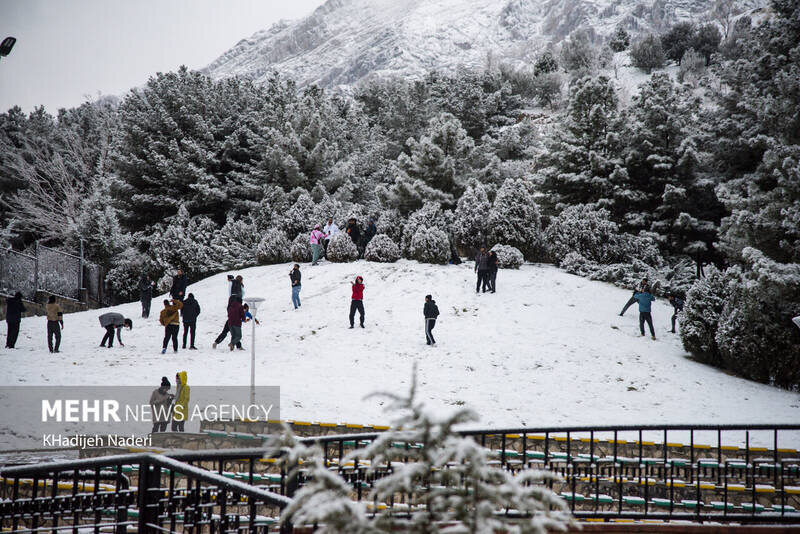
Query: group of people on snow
point(643, 295)
point(167, 406)
point(486, 269)
point(321, 237)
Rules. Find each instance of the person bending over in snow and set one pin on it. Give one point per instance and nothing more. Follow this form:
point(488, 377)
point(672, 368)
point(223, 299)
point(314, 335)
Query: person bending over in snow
point(677, 306)
point(170, 318)
point(645, 299)
point(631, 301)
point(357, 301)
point(482, 268)
point(431, 312)
point(111, 321)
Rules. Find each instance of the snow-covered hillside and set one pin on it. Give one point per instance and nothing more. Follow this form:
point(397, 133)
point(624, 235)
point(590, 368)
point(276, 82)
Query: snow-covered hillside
point(547, 349)
point(345, 41)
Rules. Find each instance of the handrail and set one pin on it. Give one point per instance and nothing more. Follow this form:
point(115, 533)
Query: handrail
point(153, 459)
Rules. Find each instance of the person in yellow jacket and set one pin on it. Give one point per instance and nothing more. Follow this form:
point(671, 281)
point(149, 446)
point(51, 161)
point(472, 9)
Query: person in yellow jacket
point(180, 412)
point(171, 319)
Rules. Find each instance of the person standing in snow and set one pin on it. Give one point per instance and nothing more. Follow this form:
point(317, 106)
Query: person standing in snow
point(631, 301)
point(171, 320)
point(330, 230)
point(316, 243)
point(677, 307)
point(179, 284)
point(370, 232)
point(236, 286)
point(645, 300)
point(235, 320)
point(225, 329)
point(189, 313)
point(482, 268)
point(114, 321)
point(180, 412)
point(146, 286)
point(294, 277)
point(357, 301)
point(14, 310)
point(55, 322)
point(354, 231)
point(431, 312)
point(492, 270)
point(160, 402)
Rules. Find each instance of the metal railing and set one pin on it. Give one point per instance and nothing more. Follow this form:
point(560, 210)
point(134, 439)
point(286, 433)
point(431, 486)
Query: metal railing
point(747, 474)
point(95, 494)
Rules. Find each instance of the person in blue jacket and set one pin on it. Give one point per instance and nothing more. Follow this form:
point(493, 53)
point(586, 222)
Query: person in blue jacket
point(645, 300)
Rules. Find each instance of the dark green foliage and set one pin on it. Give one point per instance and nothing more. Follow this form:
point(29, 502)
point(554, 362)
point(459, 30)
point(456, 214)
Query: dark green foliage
point(620, 40)
point(677, 40)
point(648, 54)
point(544, 64)
point(706, 41)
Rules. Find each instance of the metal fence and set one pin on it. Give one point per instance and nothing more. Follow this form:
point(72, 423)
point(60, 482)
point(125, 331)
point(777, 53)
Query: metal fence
point(17, 273)
point(50, 270)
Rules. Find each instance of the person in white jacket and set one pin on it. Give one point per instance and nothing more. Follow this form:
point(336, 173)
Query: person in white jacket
point(330, 230)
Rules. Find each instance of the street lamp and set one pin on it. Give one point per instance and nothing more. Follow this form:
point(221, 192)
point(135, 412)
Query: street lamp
point(253, 302)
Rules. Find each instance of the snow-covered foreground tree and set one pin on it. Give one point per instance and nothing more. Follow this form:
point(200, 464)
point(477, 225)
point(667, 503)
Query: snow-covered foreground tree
point(431, 478)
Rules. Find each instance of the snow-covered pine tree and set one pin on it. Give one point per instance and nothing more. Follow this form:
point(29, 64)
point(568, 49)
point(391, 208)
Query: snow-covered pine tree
point(471, 217)
point(301, 216)
point(429, 245)
point(508, 257)
point(701, 312)
point(237, 243)
point(341, 249)
point(582, 163)
point(677, 40)
point(273, 247)
point(428, 216)
point(447, 478)
point(324, 499)
point(514, 219)
point(301, 248)
point(647, 54)
point(442, 155)
point(188, 243)
point(620, 40)
point(382, 249)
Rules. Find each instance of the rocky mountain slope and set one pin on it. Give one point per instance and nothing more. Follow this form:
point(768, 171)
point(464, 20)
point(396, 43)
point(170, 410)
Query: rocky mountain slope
point(346, 41)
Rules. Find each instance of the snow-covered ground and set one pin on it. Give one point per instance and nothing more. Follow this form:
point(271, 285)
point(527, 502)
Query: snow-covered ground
point(547, 349)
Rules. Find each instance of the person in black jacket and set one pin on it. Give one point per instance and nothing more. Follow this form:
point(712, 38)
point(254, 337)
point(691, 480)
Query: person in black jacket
point(677, 307)
point(179, 283)
point(492, 264)
point(295, 276)
point(14, 310)
point(189, 312)
point(146, 286)
point(431, 312)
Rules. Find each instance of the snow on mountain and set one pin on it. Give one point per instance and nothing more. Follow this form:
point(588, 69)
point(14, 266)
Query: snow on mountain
point(346, 41)
point(547, 349)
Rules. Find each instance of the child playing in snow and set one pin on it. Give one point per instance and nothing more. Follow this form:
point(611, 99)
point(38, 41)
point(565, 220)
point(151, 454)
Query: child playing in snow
point(357, 301)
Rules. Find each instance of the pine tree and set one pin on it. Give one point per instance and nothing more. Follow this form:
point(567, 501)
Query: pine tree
point(647, 54)
point(677, 40)
point(514, 219)
point(471, 217)
point(620, 40)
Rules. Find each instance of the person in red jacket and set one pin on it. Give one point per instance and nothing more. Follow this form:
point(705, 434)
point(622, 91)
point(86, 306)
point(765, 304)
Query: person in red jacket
point(357, 302)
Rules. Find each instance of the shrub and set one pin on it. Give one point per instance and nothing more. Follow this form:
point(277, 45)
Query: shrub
point(274, 247)
point(704, 303)
point(547, 88)
point(472, 212)
point(515, 219)
point(620, 40)
point(692, 67)
point(508, 257)
point(428, 216)
point(430, 245)
point(341, 249)
point(301, 248)
point(577, 52)
point(648, 54)
point(382, 249)
point(544, 64)
point(591, 234)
